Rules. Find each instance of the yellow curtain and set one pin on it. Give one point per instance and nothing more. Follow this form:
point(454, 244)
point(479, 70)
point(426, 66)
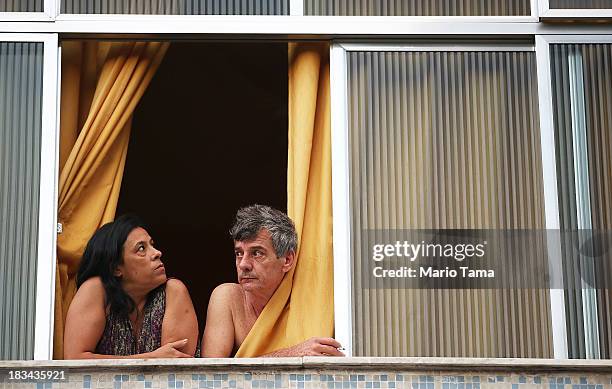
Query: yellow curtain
point(101, 85)
point(303, 304)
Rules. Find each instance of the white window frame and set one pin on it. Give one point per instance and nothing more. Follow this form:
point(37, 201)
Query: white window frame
point(296, 8)
point(47, 219)
point(48, 14)
point(556, 13)
point(341, 168)
point(543, 43)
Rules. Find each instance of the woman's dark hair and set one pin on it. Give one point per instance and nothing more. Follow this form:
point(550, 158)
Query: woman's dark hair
point(103, 254)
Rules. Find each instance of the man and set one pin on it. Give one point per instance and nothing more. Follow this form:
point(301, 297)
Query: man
point(265, 244)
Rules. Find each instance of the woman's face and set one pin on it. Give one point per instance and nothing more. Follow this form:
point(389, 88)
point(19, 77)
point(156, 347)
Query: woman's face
point(142, 267)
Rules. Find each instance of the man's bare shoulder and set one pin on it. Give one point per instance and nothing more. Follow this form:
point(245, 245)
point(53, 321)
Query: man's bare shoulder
point(227, 293)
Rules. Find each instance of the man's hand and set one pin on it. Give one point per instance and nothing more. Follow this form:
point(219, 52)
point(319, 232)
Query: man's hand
point(312, 347)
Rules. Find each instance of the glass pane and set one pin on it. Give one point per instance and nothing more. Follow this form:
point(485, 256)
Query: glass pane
point(177, 7)
point(580, 4)
point(21, 6)
point(445, 140)
point(582, 102)
point(418, 8)
point(21, 66)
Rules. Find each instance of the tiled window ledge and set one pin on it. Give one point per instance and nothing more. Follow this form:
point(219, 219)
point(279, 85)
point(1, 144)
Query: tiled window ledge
point(316, 372)
point(409, 364)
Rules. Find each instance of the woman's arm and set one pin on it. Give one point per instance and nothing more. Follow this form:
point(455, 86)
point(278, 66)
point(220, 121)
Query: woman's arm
point(180, 320)
point(85, 324)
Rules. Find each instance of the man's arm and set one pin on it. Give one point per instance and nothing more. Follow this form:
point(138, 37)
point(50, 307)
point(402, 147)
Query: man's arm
point(180, 320)
point(218, 339)
point(311, 347)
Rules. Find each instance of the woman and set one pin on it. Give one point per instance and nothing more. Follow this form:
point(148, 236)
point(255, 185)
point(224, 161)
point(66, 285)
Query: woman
point(125, 306)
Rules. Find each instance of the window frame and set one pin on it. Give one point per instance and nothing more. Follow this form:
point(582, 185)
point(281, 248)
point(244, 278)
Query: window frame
point(572, 13)
point(47, 15)
point(47, 216)
point(340, 173)
point(547, 124)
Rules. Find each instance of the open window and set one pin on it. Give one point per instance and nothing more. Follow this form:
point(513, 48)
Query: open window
point(208, 136)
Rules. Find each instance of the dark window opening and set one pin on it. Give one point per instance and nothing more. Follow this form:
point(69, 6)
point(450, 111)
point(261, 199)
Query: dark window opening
point(208, 136)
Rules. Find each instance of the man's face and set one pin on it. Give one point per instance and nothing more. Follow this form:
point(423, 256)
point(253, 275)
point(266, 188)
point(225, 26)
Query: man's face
point(258, 268)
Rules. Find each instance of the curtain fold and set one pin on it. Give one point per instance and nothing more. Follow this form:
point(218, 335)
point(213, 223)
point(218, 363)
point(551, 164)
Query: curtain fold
point(297, 310)
point(101, 85)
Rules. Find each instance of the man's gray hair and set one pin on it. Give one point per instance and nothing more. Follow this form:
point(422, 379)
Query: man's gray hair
point(252, 219)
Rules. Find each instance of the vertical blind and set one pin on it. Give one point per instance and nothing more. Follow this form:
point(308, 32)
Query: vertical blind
point(177, 7)
point(445, 140)
point(582, 110)
point(21, 67)
point(417, 8)
point(579, 4)
point(21, 6)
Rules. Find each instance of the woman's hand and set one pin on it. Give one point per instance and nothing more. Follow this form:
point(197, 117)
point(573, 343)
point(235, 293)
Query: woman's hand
point(170, 350)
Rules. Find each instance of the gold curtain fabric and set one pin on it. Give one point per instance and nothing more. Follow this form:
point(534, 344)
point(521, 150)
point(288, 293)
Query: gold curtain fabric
point(297, 311)
point(101, 86)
